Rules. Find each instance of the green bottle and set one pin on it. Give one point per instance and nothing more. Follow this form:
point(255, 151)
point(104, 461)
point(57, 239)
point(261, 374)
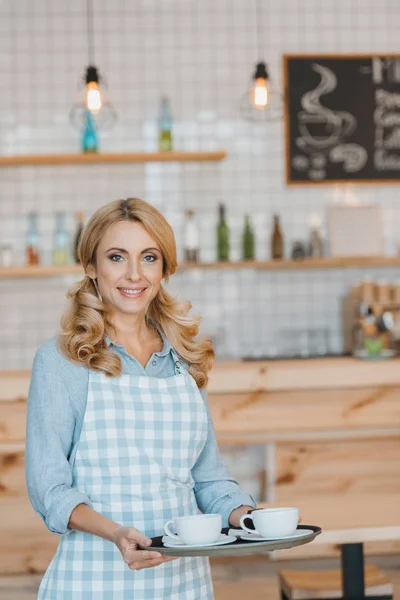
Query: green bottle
point(165, 126)
point(222, 235)
point(247, 240)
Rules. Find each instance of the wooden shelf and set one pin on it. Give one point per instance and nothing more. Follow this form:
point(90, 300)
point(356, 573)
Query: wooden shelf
point(272, 265)
point(341, 262)
point(98, 157)
point(39, 271)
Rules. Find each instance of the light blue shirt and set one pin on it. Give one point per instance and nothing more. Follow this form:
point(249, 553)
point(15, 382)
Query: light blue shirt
point(55, 414)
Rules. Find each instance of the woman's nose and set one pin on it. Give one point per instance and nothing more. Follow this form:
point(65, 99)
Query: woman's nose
point(134, 271)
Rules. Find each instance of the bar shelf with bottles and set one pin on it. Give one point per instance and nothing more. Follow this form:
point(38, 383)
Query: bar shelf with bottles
point(303, 256)
point(343, 262)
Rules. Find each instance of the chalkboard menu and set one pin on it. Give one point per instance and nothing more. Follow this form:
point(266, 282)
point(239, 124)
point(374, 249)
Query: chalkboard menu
point(342, 118)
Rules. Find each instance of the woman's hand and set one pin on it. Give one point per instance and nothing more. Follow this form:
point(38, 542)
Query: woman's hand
point(127, 540)
point(234, 517)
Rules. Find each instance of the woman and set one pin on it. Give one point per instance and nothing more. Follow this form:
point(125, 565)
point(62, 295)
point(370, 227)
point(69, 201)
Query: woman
point(119, 433)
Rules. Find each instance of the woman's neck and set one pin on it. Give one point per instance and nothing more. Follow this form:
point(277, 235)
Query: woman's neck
point(141, 338)
point(131, 328)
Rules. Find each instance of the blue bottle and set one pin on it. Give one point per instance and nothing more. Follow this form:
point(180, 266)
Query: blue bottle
point(89, 134)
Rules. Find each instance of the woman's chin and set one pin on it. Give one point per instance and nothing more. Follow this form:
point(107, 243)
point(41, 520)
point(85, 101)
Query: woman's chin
point(126, 308)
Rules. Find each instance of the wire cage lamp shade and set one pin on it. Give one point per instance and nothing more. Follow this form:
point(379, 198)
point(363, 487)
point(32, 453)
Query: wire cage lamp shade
point(92, 92)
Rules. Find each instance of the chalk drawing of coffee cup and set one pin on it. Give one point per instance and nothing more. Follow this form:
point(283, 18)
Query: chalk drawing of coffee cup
point(321, 127)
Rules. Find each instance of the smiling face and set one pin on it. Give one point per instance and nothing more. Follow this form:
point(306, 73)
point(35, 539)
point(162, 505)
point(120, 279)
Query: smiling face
point(129, 268)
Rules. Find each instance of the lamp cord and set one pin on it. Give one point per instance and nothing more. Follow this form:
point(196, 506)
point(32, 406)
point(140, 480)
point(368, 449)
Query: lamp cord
point(258, 29)
point(90, 32)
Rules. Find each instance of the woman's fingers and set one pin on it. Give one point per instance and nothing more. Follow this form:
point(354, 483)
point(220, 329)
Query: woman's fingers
point(146, 563)
point(134, 555)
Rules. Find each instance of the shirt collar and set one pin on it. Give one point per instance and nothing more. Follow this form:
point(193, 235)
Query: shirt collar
point(166, 349)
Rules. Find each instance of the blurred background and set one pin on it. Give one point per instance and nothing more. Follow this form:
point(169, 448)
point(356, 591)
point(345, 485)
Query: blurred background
point(268, 133)
point(201, 56)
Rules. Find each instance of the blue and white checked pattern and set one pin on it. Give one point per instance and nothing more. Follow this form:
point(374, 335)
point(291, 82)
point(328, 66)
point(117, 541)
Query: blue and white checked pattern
point(140, 440)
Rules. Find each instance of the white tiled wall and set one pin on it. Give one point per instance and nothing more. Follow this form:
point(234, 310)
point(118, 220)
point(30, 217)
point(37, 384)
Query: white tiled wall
point(202, 54)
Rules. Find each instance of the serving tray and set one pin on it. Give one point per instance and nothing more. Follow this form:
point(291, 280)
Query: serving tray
point(238, 547)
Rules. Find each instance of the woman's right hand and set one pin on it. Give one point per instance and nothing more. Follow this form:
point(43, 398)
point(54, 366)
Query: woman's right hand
point(127, 540)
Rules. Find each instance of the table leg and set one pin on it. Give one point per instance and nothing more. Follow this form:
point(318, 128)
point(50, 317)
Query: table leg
point(353, 572)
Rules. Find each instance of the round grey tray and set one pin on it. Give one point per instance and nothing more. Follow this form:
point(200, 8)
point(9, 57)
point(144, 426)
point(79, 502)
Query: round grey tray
point(235, 548)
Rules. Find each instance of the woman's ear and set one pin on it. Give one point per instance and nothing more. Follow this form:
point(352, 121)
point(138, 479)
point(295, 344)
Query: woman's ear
point(91, 271)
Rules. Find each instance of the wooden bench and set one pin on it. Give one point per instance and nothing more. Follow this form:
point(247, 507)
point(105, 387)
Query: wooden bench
point(318, 585)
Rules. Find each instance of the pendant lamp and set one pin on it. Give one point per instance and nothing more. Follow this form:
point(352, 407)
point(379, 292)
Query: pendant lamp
point(262, 100)
point(92, 89)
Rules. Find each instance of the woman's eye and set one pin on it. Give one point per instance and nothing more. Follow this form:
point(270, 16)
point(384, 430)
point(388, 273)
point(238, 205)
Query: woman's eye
point(149, 258)
point(115, 257)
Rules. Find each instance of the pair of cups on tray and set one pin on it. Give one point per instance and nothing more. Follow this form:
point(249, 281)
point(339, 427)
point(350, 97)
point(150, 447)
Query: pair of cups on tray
point(205, 529)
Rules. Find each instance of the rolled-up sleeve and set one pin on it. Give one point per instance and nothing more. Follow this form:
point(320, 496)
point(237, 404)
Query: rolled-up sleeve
point(215, 490)
point(49, 438)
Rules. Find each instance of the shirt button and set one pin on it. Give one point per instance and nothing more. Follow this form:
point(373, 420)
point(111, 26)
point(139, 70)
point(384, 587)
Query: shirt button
point(154, 363)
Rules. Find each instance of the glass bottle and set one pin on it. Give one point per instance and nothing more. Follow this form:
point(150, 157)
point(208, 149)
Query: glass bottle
point(191, 237)
point(90, 142)
point(60, 252)
point(222, 235)
point(80, 219)
point(277, 240)
point(165, 126)
point(247, 240)
point(316, 245)
point(32, 241)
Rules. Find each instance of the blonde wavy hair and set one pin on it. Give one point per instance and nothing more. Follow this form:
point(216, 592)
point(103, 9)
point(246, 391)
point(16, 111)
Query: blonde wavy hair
point(84, 325)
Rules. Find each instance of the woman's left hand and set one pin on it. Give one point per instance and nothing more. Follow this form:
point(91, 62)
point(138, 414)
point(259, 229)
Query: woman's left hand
point(234, 517)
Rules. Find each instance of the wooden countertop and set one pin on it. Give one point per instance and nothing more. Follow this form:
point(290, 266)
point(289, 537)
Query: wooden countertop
point(243, 376)
point(318, 373)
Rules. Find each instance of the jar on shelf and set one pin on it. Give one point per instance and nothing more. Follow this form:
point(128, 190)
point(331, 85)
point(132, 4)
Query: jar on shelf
point(373, 337)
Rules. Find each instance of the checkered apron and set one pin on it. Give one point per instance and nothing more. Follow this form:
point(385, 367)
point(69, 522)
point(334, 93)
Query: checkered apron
point(140, 438)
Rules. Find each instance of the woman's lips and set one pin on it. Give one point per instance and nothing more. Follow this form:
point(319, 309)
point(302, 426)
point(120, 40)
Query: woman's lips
point(132, 292)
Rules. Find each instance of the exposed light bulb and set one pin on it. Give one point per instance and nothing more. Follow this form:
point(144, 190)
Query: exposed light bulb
point(260, 86)
point(260, 93)
point(93, 97)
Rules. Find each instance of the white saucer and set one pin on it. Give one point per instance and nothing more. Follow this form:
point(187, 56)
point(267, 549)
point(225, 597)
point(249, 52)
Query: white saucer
point(171, 543)
point(255, 537)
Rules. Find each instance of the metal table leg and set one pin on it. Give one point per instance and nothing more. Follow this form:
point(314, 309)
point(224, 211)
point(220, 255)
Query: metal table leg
point(353, 572)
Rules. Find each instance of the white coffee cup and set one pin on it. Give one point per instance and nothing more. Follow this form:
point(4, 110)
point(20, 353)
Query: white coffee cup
point(272, 522)
point(195, 529)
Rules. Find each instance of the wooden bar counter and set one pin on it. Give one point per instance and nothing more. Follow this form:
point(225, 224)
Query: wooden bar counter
point(329, 430)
